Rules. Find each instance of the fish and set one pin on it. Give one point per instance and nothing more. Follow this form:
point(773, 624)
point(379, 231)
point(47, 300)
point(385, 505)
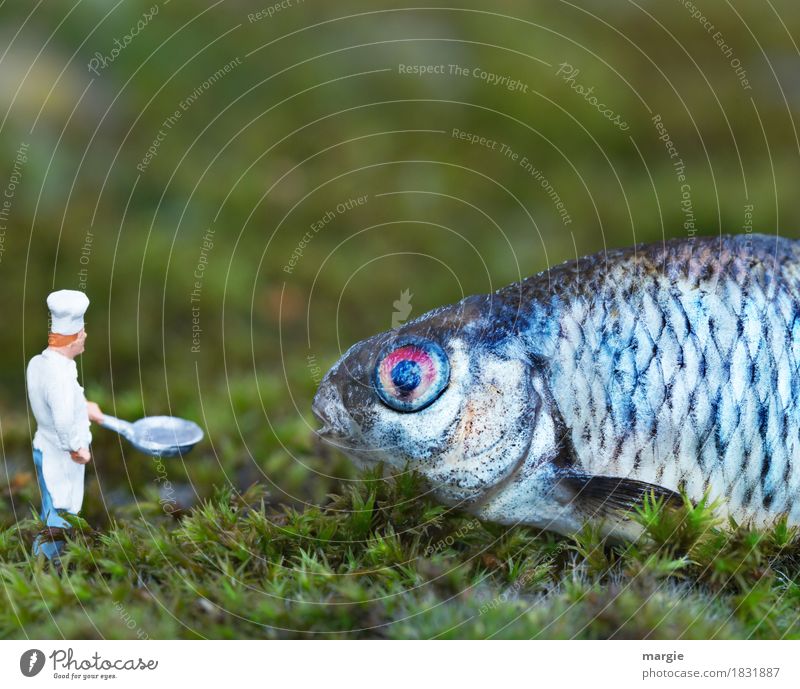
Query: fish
point(655, 371)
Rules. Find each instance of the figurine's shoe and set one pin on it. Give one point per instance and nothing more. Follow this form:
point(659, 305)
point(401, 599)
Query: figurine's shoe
point(50, 542)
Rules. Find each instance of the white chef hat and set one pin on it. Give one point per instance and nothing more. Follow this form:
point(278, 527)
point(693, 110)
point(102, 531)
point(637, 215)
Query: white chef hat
point(67, 307)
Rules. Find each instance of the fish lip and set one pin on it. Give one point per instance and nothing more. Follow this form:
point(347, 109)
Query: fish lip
point(325, 407)
point(331, 436)
point(336, 435)
point(324, 432)
point(327, 429)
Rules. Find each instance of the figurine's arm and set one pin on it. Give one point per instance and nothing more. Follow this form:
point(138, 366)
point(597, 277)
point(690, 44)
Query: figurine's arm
point(95, 413)
point(62, 406)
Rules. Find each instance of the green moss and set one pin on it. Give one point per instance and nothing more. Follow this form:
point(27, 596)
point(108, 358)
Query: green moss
point(382, 560)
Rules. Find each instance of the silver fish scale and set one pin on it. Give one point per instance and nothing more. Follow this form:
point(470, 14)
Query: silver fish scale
point(679, 365)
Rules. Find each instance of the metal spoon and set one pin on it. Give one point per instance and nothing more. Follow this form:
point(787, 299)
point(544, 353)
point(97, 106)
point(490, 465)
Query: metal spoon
point(159, 436)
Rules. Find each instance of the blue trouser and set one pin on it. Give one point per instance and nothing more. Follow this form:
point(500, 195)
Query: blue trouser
point(49, 515)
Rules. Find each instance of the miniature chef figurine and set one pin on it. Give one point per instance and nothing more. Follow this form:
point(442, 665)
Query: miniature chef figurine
point(62, 440)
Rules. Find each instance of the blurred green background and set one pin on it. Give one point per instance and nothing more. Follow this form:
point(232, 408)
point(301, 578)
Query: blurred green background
point(264, 129)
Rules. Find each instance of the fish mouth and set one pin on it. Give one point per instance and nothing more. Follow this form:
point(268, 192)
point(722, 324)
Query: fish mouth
point(327, 407)
point(340, 430)
point(327, 431)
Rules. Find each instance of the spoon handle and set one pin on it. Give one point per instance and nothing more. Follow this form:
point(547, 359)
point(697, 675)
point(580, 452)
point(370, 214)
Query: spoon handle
point(124, 428)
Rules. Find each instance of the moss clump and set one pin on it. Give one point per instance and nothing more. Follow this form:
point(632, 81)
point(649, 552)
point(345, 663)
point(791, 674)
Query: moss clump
point(381, 559)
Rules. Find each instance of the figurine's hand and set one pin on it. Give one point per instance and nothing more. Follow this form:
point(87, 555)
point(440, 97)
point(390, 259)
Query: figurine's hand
point(94, 412)
point(82, 456)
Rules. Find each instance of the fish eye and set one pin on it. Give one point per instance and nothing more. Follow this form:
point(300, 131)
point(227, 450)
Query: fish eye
point(410, 374)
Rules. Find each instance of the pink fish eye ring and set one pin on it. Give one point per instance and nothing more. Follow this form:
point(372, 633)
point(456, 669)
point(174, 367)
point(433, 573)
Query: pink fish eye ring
point(410, 374)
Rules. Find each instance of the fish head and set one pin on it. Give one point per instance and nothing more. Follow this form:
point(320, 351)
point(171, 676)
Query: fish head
point(447, 395)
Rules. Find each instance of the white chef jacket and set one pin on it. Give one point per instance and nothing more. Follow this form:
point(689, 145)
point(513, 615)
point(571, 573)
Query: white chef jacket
point(62, 420)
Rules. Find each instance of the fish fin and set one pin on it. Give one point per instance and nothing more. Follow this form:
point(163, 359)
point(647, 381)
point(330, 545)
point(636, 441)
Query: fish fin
point(604, 496)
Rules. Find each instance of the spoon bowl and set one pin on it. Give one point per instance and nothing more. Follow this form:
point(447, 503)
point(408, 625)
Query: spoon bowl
point(158, 436)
